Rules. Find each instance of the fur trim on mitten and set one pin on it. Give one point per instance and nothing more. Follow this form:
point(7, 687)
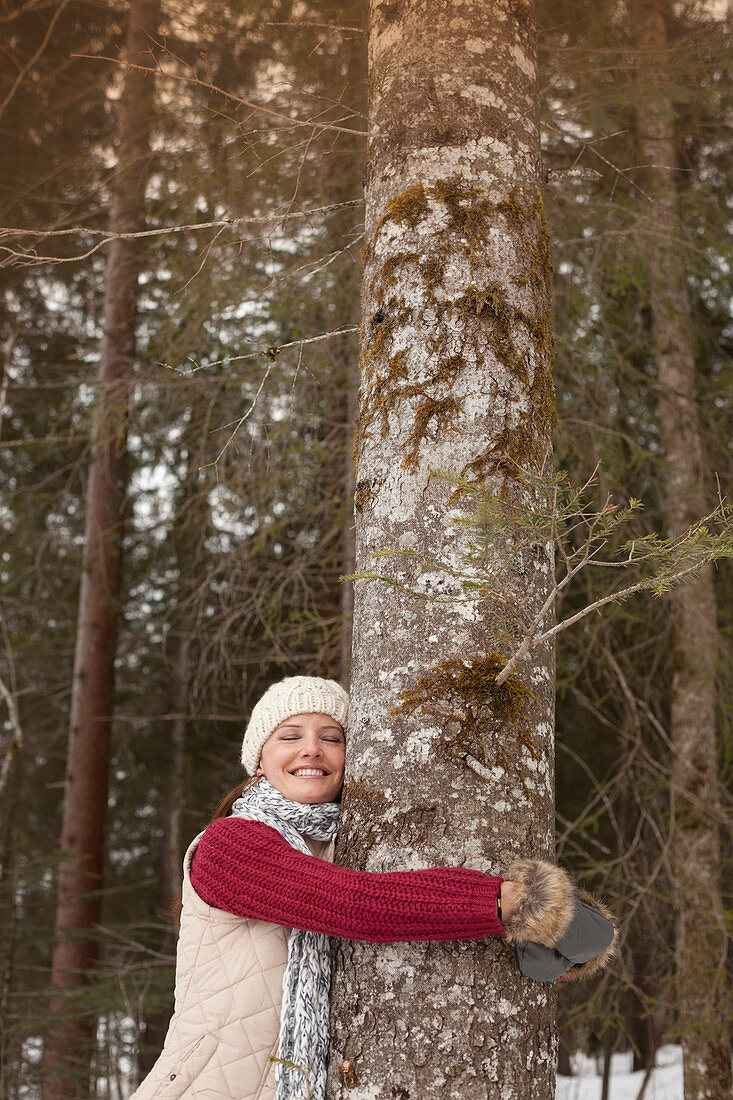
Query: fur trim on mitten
point(544, 903)
point(593, 966)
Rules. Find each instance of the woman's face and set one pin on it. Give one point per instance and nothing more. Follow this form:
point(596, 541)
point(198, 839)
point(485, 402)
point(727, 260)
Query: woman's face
point(303, 758)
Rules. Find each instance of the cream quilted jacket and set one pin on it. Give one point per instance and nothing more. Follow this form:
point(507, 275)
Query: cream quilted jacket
point(226, 1021)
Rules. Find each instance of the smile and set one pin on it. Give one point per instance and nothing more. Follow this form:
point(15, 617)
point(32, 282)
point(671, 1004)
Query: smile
point(310, 772)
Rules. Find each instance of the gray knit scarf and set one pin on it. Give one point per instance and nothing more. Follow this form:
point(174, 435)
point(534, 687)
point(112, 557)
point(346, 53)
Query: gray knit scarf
point(304, 1025)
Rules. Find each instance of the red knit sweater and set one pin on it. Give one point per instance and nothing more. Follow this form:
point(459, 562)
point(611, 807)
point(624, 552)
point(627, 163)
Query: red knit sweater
point(249, 869)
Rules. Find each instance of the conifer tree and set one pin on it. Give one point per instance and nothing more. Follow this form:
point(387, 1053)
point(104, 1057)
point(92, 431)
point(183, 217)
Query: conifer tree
point(446, 766)
point(69, 1042)
point(701, 935)
point(611, 88)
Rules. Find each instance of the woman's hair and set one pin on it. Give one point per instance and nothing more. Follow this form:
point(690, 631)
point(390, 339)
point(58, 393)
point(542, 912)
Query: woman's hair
point(224, 806)
point(223, 809)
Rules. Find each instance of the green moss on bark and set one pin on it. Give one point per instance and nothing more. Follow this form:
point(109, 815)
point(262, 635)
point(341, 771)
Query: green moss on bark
point(409, 207)
point(365, 493)
point(443, 411)
point(464, 693)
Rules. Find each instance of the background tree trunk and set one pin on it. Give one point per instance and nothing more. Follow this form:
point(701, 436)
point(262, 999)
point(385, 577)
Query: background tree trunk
point(456, 374)
point(70, 1040)
point(348, 542)
point(701, 934)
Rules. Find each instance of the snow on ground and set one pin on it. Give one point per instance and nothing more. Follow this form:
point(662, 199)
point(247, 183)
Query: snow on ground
point(665, 1083)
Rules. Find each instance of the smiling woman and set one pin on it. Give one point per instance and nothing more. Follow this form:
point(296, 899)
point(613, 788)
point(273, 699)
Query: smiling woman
point(304, 758)
point(262, 896)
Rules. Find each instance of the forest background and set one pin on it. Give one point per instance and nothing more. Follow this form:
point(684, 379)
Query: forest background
point(239, 491)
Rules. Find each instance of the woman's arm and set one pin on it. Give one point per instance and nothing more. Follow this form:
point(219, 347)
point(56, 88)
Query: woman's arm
point(249, 869)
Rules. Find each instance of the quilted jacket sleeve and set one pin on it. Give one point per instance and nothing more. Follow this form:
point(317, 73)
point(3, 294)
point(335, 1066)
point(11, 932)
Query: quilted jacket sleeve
point(249, 869)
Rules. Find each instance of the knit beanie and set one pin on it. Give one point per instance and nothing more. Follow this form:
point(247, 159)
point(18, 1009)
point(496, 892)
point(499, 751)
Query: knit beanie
point(294, 695)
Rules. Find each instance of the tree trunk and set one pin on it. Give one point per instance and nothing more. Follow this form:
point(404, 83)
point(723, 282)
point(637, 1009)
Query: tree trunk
point(701, 935)
point(170, 874)
point(641, 1023)
point(9, 1042)
point(347, 539)
point(456, 374)
point(70, 1040)
point(606, 1077)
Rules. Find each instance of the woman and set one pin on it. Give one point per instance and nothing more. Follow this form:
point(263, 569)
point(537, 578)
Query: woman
point(261, 896)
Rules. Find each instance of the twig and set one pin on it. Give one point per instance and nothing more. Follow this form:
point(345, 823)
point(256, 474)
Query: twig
point(590, 145)
point(26, 68)
point(16, 739)
point(559, 175)
point(8, 347)
point(622, 594)
point(237, 424)
point(259, 354)
point(107, 236)
point(258, 108)
point(530, 640)
point(306, 23)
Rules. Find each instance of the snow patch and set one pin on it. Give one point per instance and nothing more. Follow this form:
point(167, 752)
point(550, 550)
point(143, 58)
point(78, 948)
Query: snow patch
point(665, 1082)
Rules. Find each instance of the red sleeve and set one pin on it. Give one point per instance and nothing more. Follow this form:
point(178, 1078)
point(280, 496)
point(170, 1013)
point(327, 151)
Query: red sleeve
point(249, 869)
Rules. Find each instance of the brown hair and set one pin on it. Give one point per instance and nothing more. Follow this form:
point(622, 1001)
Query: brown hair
point(222, 809)
point(224, 806)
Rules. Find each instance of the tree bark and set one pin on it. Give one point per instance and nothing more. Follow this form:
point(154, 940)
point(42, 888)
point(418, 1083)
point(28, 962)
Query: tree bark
point(456, 374)
point(70, 1039)
point(701, 941)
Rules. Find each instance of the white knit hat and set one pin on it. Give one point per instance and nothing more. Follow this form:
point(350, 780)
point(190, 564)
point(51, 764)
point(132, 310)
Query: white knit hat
point(294, 695)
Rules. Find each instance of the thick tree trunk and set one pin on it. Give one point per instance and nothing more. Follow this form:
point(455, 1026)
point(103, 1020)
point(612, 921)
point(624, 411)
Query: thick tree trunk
point(70, 1039)
point(455, 375)
point(701, 934)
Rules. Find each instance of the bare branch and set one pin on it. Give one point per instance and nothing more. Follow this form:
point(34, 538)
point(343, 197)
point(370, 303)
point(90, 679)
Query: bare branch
point(29, 65)
point(106, 236)
point(622, 594)
point(325, 26)
point(258, 108)
point(16, 737)
point(236, 425)
point(560, 175)
point(272, 352)
point(8, 347)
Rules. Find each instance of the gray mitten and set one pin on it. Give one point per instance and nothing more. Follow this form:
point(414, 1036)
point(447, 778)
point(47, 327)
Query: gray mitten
point(557, 929)
point(585, 948)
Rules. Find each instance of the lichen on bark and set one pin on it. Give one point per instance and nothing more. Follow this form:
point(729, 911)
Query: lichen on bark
point(488, 317)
